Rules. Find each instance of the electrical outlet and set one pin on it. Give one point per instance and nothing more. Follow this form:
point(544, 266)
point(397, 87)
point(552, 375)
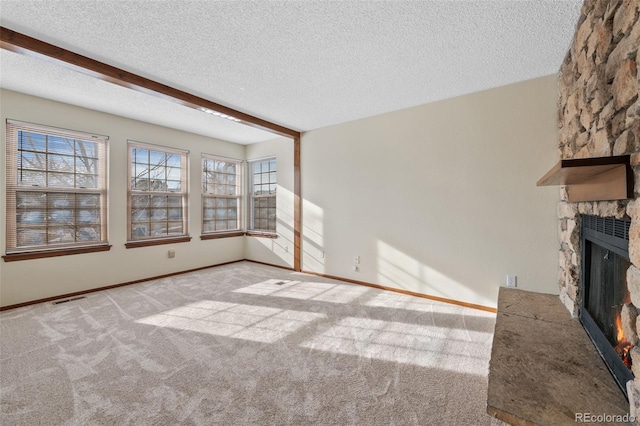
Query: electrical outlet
point(171, 254)
point(356, 260)
point(355, 268)
point(511, 281)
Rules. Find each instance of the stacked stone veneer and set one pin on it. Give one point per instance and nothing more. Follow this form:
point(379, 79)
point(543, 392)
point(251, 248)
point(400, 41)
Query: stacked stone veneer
point(598, 116)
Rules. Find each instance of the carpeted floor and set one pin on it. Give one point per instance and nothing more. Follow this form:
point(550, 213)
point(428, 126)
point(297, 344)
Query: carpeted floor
point(245, 344)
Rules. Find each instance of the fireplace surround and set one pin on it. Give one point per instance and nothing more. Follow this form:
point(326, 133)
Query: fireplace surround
point(599, 116)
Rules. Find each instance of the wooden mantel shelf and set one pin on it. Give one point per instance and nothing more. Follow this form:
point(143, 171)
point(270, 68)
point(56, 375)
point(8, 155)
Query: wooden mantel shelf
point(593, 179)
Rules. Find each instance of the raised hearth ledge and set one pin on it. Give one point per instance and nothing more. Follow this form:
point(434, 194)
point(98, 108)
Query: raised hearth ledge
point(544, 368)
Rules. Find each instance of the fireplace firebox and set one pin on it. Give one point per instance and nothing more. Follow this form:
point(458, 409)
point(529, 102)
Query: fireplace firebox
point(605, 260)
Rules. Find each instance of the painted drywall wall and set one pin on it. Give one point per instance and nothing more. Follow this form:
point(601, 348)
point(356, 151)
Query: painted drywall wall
point(24, 281)
point(278, 251)
point(439, 199)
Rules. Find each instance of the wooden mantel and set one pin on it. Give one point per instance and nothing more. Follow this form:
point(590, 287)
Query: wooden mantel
point(593, 179)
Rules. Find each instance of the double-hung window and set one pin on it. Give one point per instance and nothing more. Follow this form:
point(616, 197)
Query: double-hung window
point(56, 191)
point(157, 195)
point(262, 200)
point(221, 195)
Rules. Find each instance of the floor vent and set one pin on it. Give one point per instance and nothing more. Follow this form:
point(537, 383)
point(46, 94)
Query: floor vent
point(57, 302)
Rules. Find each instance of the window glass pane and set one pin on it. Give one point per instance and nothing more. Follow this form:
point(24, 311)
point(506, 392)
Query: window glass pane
point(209, 227)
point(87, 181)
point(158, 214)
point(60, 216)
point(32, 160)
point(139, 230)
point(32, 178)
point(175, 214)
point(88, 233)
point(208, 213)
point(88, 200)
point(31, 237)
point(158, 201)
point(174, 201)
point(58, 145)
point(86, 165)
point(208, 202)
point(173, 185)
point(173, 160)
point(30, 217)
point(86, 217)
point(63, 180)
point(61, 234)
point(140, 200)
point(30, 200)
point(157, 158)
point(138, 215)
point(158, 228)
point(32, 141)
point(140, 156)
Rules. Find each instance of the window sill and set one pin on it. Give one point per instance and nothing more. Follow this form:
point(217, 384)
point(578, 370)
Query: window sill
point(148, 243)
point(261, 235)
point(221, 235)
point(12, 257)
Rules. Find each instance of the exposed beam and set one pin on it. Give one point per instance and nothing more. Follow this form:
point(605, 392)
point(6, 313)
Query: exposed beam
point(29, 46)
point(297, 207)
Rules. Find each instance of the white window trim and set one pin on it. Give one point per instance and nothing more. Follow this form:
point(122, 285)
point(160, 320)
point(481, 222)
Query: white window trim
point(240, 193)
point(184, 192)
point(13, 187)
point(250, 197)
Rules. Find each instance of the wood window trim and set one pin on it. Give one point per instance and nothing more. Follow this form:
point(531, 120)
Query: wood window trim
point(215, 236)
point(156, 242)
point(29, 255)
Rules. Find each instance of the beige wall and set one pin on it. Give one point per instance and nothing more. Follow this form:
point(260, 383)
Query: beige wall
point(34, 279)
point(438, 199)
point(277, 251)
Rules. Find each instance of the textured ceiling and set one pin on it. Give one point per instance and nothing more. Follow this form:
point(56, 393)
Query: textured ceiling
point(303, 65)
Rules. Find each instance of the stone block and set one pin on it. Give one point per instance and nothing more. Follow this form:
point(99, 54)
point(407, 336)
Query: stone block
point(617, 125)
point(600, 144)
point(606, 114)
point(567, 210)
point(626, 48)
point(628, 317)
point(599, 41)
point(581, 140)
point(625, 17)
point(586, 116)
point(622, 144)
point(585, 208)
point(582, 35)
point(625, 84)
point(571, 106)
point(612, 7)
point(564, 195)
point(633, 285)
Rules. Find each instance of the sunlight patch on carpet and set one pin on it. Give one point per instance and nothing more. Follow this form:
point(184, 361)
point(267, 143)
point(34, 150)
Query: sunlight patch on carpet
point(324, 292)
point(424, 346)
point(236, 320)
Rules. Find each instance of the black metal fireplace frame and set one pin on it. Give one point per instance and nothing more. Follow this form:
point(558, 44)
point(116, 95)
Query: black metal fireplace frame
point(613, 235)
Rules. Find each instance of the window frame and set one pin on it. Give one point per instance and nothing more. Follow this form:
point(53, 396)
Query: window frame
point(207, 193)
point(252, 197)
point(183, 193)
point(14, 187)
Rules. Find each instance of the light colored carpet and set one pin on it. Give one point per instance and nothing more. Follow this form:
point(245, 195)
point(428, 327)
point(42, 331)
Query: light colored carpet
point(245, 344)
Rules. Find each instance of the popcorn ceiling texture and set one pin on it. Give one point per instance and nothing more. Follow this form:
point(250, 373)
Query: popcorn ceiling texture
point(599, 116)
point(304, 65)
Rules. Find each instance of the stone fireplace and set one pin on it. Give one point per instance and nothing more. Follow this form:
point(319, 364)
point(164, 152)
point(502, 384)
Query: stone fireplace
point(599, 116)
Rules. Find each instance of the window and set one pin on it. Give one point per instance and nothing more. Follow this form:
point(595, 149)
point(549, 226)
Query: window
point(221, 194)
point(56, 190)
point(157, 194)
point(262, 202)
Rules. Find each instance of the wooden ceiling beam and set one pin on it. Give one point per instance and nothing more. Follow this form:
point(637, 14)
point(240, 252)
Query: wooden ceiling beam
point(29, 46)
